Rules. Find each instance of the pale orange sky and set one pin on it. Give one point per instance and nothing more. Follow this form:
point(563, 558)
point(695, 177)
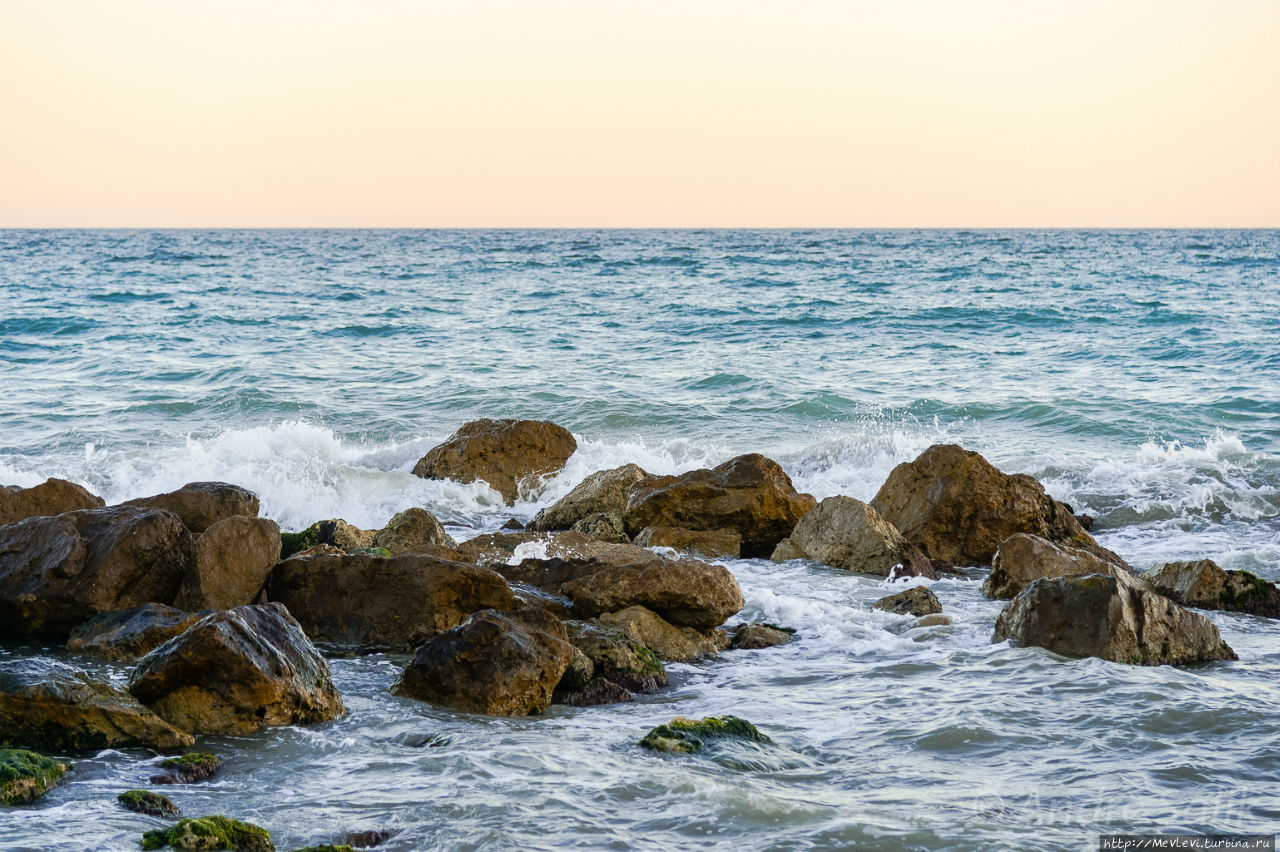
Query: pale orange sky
point(654, 113)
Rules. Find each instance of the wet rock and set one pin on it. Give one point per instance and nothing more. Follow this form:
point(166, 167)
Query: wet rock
point(237, 671)
point(210, 832)
point(786, 551)
point(326, 847)
point(151, 804)
point(512, 524)
point(188, 769)
point(26, 776)
point(334, 532)
point(1086, 521)
point(233, 558)
point(709, 544)
point(510, 455)
point(51, 497)
point(495, 663)
point(602, 493)
point(126, 635)
point(58, 572)
point(54, 706)
point(672, 644)
point(915, 601)
point(200, 505)
point(368, 839)
point(686, 593)
point(604, 526)
point(1204, 585)
point(368, 601)
point(617, 658)
point(597, 692)
point(687, 736)
point(749, 494)
point(752, 636)
point(955, 505)
point(532, 597)
point(932, 620)
point(1115, 617)
point(847, 533)
point(413, 531)
point(579, 673)
point(1022, 558)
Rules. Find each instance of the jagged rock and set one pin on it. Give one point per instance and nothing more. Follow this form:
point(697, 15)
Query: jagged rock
point(53, 706)
point(237, 671)
point(709, 544)
point(58, 572)
point(512, 524)
point(604, 527)
point(26, 776)
point(413, 531)
point(188, 768)
point(617, 667)
point(749, 494)
point(686, 736)
point(151, 804)
point(602, 493)
point(672, 644)
point(365, 600)
point(126, 635)
point(200, 505)
point(334, 532)
point(51, 497)
point(210, 832)
point(496, 663)
point(233, 558)
point(1022, 558)
point(955, 505)
point(914, 601)
point(598, 691)
point(847, 533)
point(751, 636)
point(1115, 617)
point(786, 551)
point(1204, 585)
point(510, 455)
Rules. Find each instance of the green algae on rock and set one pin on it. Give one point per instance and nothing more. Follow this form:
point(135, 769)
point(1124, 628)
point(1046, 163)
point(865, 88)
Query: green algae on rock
point(188, 768)
point(26, 776)
point(210, 832)
point(682, 735)
point(146, 802)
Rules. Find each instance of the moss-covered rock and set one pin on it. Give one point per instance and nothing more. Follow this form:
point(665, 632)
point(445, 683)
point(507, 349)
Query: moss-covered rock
point(187, 769)
point(146, 802)
point(26, 776)
point(374, 551)
point(210, 832)
point(687, 736)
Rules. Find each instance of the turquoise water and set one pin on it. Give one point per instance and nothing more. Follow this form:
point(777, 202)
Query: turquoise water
point(1136, 373)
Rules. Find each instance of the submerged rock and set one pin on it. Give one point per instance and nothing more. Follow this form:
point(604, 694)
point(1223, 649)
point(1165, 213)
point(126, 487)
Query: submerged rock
point(51, 497)
point(200, 505)
point(915, 601)
point(602, 493)
point(210, 832)
point(53, 706)
point(686, 736)
point(413, 531)
point(188, 769)
point(233, 558)
point(510, 455)
point(752, 636)
point(1204, 585)
point(26, 776)
point(847, 533)
point(126, 635)
point(1022, 558)
point(326, 847)
point(672, 644)
point(709, 544)
point(151, 804)
point(1114, 617)
point(368, 839)
point(237, 671)
point(750, 494)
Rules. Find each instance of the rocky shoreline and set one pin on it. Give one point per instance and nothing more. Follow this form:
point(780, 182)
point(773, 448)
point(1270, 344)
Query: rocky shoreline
point(228, 622)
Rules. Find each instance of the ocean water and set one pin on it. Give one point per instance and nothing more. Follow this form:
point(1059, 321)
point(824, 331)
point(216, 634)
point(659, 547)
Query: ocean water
point(1136, 373)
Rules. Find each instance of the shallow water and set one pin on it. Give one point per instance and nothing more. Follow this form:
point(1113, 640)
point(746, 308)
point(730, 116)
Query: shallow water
point(1136, 373)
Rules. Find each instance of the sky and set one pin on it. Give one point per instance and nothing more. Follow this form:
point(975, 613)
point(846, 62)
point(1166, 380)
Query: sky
point(611, 113)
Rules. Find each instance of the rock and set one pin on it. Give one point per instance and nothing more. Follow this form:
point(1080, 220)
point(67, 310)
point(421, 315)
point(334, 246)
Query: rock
point(51, 497)
point(672, 644)
point(579, 673)
point(1022, 558)
point(413, 531)
point(749, 494)
point(188, 769)
point(604, 526)
point(368, 839)
point(364, 600)
point(617, 658)
point(1204, 585)
point(512, 524)
point(510, 455)
point(1114, 617)
point(26, 776)
point(126, 635)
point(955, 505)
point(53, 706)
point(200, 505)
point(686, 736)
point(598, 691)
point(237, 671)
point(918, 600)
point(686, 593)
point(326, 847)
point(932, 620)
point(531, 597)
point(233, 558)
point(709, 544)
point(210, 832)
point(602, 493)
point(751, 636)
point(786, 551)
point(847, 533)
point(495, 663)
point(58, 572)
point(151, 804)
point(334, 532)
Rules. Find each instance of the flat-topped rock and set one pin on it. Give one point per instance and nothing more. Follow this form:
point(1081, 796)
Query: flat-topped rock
point(125, 635)
point(1022, 558)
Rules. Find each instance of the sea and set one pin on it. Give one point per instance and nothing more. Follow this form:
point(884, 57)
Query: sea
point(1136, 373)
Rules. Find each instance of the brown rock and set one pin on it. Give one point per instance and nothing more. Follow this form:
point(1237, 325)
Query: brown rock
point(617, 658)
point(237, 671)
point(749, 494)
point(233, 558)
point(604, 527)
point(413, 531)
point(687, 593)
point(786, 551)
point(914, 601)
point(51, 497)
point(130, 634)
point(709, 544)
point(672, 644)
point(752, 636)
point(1204, 585)
point(1022, 558)
point(510, 455)
point(847, 533)
point(602, 493)
point(200, 505)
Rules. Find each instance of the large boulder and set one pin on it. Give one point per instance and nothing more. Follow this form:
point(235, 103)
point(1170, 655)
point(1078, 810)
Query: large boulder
point(372, 601)
point(1022, 558)
point(955, 505)
point(1112, 616)
point(237, 671)
point(603, 492)
point(53, 706)
point(510, 455)
point(496, 663)
point(233, 558)
point(672, 644)
point(708, 544)
point(413, 531)
point(126, 635)
point(1204, 585)
point(846, 533)
point(51, 497)
point(200, 505)
point(750, 494)
point(57, 572)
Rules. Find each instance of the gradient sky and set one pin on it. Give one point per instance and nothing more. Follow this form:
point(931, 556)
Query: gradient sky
point(650, 113)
